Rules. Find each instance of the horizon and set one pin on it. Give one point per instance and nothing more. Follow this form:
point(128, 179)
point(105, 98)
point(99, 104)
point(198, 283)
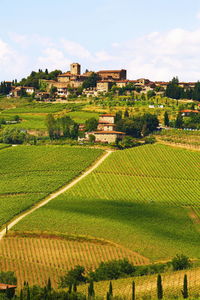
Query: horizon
point(154, 40)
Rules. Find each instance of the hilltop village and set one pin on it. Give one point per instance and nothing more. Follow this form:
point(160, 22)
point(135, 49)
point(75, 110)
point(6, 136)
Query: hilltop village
point(91, 84)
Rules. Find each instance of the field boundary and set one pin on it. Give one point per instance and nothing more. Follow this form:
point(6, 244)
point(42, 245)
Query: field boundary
point(55, 194)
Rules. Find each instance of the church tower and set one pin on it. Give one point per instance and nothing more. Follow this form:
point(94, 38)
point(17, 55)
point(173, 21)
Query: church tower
point(75, 69)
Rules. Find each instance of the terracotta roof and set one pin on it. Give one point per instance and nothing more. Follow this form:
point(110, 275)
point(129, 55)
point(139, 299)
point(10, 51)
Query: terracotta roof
point(190, 110)
point(109, 132)
point(110, 71)
point(4, 286)
point(65, 74)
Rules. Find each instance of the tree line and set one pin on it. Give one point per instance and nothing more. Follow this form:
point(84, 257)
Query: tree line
point(61, 127)
point(175, 91)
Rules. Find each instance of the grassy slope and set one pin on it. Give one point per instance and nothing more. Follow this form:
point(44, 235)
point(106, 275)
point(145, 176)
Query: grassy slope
point(128, 201)
point(29, 173)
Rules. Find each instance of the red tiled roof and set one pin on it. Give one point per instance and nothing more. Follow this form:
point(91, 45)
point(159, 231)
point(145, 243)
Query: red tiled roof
point(4, 286)
point(110, 71)
point(108, 132)
point(65, 74)
point(107, 115)
point(190, 110)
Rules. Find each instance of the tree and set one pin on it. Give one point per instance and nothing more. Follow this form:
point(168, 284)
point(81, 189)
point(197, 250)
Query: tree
point(91, 138)
point(179, 121)
point(118, 116)
point(91, 81)
point(91, 292)
point(185, 287)
point(14, 136)
point(133, 290)
point(173, 89)
point(49, 287)
point(9, 293)
point(91, 124)
point(150, 94)
point(180, 262)
point(166, 119)
point(75, 287)
point(159, 287)
point(126, 114)
point(51, 125)
point(110, 289)
point(74, 276)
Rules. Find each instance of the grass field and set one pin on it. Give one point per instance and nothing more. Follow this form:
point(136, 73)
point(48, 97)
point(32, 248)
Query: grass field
point(29, 173)
point(82, 116)
point(135, 198)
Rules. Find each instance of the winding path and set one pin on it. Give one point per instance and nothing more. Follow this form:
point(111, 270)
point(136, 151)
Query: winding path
point(54, 195)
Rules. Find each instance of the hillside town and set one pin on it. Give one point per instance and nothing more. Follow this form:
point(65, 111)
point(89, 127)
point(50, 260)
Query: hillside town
point(104, 81)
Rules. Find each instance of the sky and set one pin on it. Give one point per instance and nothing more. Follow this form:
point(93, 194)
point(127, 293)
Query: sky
point(156, 39)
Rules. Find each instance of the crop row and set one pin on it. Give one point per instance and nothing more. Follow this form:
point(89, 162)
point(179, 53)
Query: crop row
point(48, 255)
point(29, 173)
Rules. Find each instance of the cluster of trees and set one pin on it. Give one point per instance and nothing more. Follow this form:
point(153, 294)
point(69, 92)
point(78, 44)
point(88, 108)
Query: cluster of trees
point(115, 269)
point(5, 87)
point(33, 79)
point(91, 81)
point(174, 91)
point(62, 127)
point(130, 87)
point(191, 122)
point(14, 136)
point(136, 126)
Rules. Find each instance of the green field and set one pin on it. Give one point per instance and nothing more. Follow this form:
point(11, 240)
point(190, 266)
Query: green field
point(29, 173)
point(82, 116)
point(137, 198)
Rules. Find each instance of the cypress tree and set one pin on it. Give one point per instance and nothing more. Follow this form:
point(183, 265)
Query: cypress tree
point(185, 287)
point(21, 295)
point(133, 290)
point(166, 119)
point(110, 289)
point(108, 296)
point(49, 285)
point(179, 121)
point(126, 114)
point(75, 287)
point(28, 297)
point(159, 287)
point(70, 288)
point(91, 292)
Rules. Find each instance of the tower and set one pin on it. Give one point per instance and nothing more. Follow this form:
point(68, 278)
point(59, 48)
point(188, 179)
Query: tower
point(75, 69)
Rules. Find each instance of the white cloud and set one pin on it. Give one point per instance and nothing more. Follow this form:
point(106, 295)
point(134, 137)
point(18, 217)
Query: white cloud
point(157, 55)
point(160, 56)
point(53, 59)
point(11, 63)
point(75, 49)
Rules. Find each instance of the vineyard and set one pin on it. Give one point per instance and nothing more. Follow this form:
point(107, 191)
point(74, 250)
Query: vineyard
point(146, 285)
point(52, 255)
point(30, 173)
point(179, 137)
point(127, 196)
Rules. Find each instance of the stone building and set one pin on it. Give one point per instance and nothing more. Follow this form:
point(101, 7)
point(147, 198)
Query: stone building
point(104, 86)
point(112, 74)
point(106, 130)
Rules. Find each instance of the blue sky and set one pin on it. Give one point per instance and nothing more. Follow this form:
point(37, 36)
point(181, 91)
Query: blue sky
point(156, 39)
